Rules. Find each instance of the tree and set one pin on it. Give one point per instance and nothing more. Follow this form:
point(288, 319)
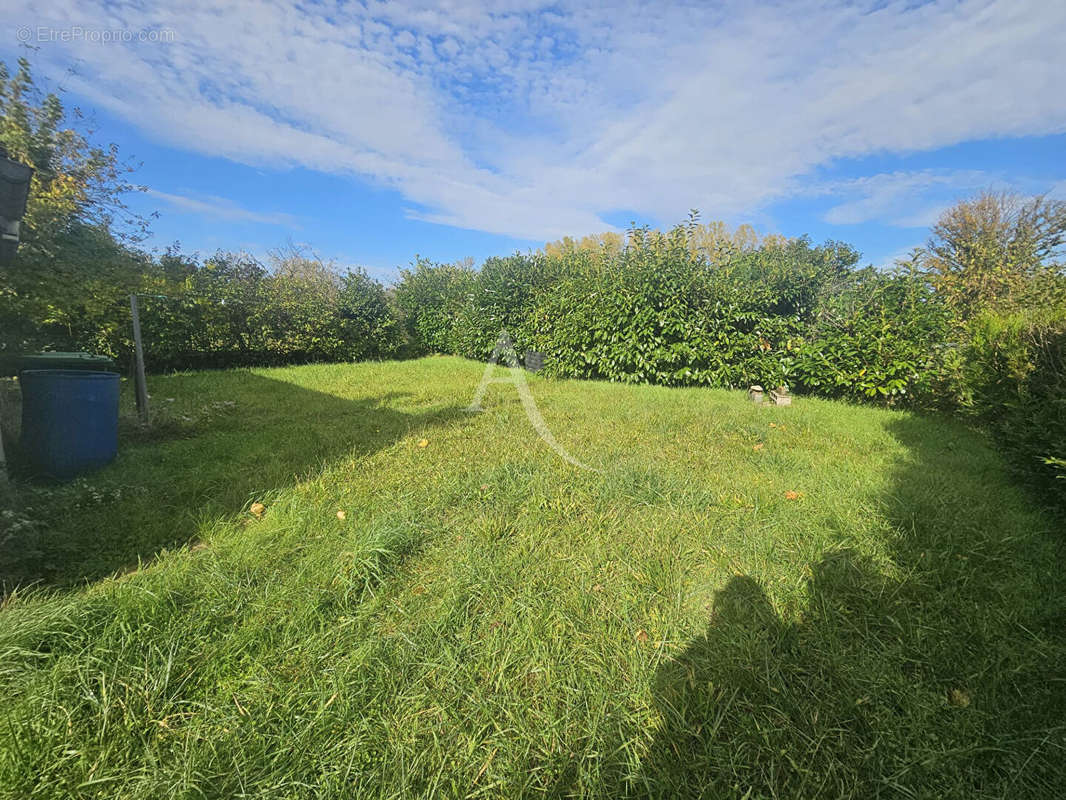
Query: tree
point(717, 243)
point(984, 252)
point(609, 242)
point(76, 261)
point(714, 240)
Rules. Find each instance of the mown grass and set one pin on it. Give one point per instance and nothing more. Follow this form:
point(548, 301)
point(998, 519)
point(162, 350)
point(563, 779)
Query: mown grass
point(490, 621)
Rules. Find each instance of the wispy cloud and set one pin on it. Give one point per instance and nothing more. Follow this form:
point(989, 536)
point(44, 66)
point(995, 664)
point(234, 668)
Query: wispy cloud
point(904, 199)
point(536, 119)
point(222, 209)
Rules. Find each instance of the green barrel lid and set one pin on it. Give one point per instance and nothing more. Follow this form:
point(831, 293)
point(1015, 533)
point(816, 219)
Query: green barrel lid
point(11, 365)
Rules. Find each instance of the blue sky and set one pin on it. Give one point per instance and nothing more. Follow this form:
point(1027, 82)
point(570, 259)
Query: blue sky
point(375, 131)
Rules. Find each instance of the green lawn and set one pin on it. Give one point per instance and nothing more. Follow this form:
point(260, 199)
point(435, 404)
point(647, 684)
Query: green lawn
point(816, 601)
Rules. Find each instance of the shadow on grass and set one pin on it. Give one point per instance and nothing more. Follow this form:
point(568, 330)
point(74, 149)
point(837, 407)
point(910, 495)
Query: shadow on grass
point(253, 437)
point(938, 674)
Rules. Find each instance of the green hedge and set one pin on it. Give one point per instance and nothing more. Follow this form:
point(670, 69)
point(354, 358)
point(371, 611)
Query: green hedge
point(1014, 380)
point(880, 337)
point(502, 297)
point(228, 311)
point(429, 300)
point(233, 312)
point(660, 312)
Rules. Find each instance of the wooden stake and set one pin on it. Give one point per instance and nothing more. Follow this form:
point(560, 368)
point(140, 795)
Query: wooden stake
point(138, 350)
point(4, 479)
point(3, 461)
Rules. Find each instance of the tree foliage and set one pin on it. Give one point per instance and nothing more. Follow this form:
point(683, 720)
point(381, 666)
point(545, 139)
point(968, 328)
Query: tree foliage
point(985, 252)
point(715, 240)
point(75, 261)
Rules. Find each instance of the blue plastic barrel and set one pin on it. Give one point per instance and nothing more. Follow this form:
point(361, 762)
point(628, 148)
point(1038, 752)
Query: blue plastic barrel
point(69, 420)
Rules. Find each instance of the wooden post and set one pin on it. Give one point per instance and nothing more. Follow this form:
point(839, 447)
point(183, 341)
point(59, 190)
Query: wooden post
point(138, 350)
point(3, 460)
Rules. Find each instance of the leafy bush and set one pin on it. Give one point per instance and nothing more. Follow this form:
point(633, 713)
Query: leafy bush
point(501, 298)
point(660, 312)
point(881, 337)
point(231, 311)
point(368, 324)
point(430, 298)
point(1015, 377)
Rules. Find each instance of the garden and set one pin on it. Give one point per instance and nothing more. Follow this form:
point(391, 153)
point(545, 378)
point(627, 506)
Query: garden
point(313, 570)
point(332, 580)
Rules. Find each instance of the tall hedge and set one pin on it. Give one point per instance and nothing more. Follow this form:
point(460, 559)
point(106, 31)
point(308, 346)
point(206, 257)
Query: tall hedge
point(501, 297)
point(232, 311)
point(1015, 382)
point(879, 336)
point(430, 298)
point(660, 312)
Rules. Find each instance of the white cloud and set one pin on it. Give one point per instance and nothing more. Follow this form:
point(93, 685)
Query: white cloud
point(917, 199)
point(537, 119)
point(221, 208)
point(903, 199)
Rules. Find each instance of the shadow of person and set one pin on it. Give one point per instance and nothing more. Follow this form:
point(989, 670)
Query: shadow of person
point(934, 671)
point(760, 707)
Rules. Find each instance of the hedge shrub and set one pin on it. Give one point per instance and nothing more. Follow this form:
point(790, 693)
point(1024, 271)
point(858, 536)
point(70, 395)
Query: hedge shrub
point(660, 312)
point(879, 336)
point(231, 311)
point(1014, 377)
point(430, 299)
point(501, 298)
